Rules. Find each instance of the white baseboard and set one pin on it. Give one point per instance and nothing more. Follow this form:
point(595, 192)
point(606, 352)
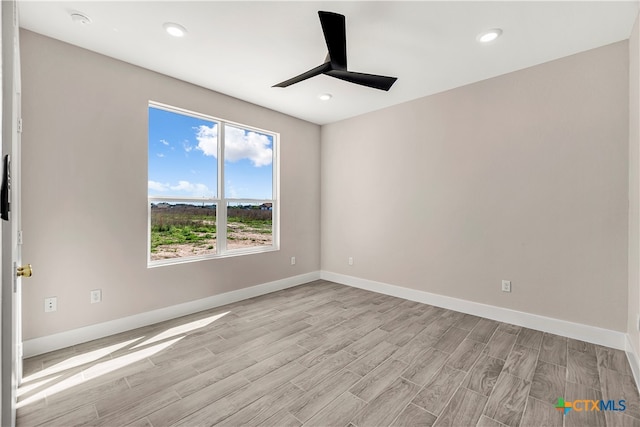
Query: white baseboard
point(592, 334)
point(60, 340)
point(634, 361)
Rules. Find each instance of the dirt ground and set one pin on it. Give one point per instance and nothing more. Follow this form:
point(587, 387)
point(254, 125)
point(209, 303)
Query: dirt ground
point(237, 240)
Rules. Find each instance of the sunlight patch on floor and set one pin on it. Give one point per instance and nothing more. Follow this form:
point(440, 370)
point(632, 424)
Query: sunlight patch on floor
point(182, 329)
point(96, 370)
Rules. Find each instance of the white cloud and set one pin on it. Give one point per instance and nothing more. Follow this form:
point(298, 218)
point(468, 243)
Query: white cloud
point(164, 141)
point(252, 146)
point(157, 186)
point(183, 187)
point(208, 140)
point(187, 147)
point(160, 155)
point(238, 145)
point(192, 188)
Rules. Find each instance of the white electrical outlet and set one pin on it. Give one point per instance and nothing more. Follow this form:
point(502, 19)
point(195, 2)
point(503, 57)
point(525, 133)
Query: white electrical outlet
point(50, 304)
point(506, 286)
point(293, 260)
point(350, 260)
point(96, 296)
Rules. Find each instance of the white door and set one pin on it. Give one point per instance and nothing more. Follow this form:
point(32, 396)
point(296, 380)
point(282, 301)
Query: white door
point(11, 330)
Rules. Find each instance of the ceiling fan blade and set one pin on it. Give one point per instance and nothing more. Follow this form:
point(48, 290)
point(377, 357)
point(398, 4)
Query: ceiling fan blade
point(369, 80)
point(334, 29)
point(304, 76)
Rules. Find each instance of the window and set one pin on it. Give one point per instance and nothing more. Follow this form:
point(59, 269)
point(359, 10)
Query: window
point(209, 199)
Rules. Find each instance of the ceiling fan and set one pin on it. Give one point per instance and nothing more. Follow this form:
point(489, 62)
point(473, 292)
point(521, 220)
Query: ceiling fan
point(335, 65)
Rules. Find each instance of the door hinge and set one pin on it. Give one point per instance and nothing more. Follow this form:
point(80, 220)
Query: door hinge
point(19, 237)
point(19, 125)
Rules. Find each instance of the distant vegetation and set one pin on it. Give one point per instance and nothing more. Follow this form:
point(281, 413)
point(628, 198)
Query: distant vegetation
point(177, 227)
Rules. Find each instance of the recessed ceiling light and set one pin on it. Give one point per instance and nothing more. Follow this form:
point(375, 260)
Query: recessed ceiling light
point(325, 96)
point(489, 36)
point(176, 30)
point(80, 18)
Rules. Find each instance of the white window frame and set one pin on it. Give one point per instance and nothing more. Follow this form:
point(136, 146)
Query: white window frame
point(220, 200)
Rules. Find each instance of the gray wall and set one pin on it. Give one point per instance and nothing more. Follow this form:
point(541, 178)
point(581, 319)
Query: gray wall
point(634, 187)
point(85, 187)
point(520, 177)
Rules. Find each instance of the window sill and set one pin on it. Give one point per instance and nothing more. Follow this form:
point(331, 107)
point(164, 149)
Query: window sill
point(228, 254)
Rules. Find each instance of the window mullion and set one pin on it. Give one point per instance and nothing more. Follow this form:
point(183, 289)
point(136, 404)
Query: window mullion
point(221, 215)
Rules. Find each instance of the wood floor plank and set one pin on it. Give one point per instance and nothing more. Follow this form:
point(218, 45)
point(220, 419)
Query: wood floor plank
point(506, 403)
point(408, 352)
point(425, 366)
point(213, 376)
point(464, 409)
point(263, 408)
point(500, 344)
point(402, 336)
point(372, 384)
point(542, 414)
point(466, 354)
point(583, 418)
point(196, 400)
point(413, 416)
point(617, 386)
point(509, 328)
point(366, 343)
point(260, 369)
point(438, 327)
point(387, 405)
point(451, 339)
point(338, 413)
point(581, 346)
point(312, 376)
point(319, 396)
point(548, 382)
point(485, 421)
point(135, 409)
point(326, 354)
point(262, 353)
point(529, 338)
point(282, 418)
point(81, 416)
point(613, 359)
point(468, 322)
point(484, 374)
point(554, 349)
point(484, 330)
point(582, 368)
point(325, 351)
point(521, 362)
point(142, 422)
point(372, 358)
point(436, 393)
point(213, 413)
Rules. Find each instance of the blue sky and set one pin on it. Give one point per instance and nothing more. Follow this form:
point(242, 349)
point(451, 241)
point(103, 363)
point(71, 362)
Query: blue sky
point(183, 158)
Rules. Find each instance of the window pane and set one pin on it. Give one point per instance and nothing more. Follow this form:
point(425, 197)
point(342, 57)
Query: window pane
point(182, 155)
point(182, 230)
point(249, 226)
point(248, 164)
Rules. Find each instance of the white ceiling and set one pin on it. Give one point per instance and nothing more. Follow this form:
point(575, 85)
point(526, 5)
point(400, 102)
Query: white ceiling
point(243, 48)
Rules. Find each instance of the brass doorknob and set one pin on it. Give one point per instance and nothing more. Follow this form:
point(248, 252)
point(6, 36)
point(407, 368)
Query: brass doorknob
point(25, 271)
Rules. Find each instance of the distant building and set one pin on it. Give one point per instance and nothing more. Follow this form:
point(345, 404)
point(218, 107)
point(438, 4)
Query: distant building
point(266, 206)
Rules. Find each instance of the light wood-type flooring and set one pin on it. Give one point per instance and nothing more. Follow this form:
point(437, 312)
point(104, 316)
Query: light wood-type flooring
point(323, 354)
